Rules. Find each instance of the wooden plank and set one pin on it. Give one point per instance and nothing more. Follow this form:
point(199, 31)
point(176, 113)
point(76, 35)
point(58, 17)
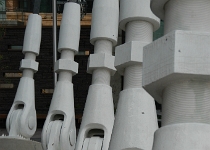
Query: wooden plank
point(6, 86)
point(47, 91)
point(40, 116)
point(3, 116)
point(13, 75)
point(46, 18)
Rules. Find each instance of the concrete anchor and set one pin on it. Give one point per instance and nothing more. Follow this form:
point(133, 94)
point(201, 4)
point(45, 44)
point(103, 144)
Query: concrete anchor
point(98, 117)
point(21, 119)
point(136, 120)
point(59, 131)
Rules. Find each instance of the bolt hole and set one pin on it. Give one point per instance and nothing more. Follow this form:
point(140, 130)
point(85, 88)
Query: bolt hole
point(58, 117)
point(96, 132)
point(20, 106)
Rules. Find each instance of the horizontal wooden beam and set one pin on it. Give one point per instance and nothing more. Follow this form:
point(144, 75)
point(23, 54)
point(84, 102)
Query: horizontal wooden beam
point(47, 20)
point(6, 86)
point(41, 116)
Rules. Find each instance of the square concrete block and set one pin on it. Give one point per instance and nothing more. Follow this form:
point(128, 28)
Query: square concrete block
point(101, 60)
point(66, 65)
point(29, 64)
point(130, 53)
point(176, 56)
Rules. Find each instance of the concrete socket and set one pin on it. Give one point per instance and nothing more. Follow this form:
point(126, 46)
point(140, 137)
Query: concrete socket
point(29, 64)
point(98, 114)
point(178, 55)
point(128, 54)
point(24, 96)
point(101, 60)
point(135, 121)
point(62, 104)
point(66, 65)
point(157, 7)
point(105, 20)
point(137, 10)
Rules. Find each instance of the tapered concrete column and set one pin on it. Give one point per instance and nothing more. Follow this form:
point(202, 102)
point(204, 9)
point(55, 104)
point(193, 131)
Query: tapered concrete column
point(21, 120)
point(98, 117)
point(59, 131)
point(176, 74)
point(136, 120)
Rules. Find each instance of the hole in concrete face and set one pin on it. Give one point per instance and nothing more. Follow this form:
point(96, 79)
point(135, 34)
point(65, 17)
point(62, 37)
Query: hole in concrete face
point(166, 39)
point(20, 106)
point(58, 117)
point(142, 112)
point(96, 132)
point(132, 149)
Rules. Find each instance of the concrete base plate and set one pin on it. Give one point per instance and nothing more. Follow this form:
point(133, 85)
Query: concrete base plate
point(8, 143)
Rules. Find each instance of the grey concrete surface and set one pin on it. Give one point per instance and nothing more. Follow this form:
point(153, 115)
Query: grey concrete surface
point(7, 143)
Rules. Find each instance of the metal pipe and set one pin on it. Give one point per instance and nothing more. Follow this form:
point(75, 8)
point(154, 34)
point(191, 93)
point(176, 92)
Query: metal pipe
point(54, 9)
point(73, 1)
point(36, 6)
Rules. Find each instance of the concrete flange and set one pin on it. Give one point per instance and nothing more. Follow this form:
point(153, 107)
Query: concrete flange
point(135, 10)
point(157, 7)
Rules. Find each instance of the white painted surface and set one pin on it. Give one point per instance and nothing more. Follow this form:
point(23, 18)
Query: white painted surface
point(32, 37)
point(139, 30)
point(29, 64)
point(59, 131)
point(137, 10)
point(62, 104)
point(98, 114)
point(186, 101)
point(21, 120)
point(179, 74)
point(193, 15)
point(66, 65)
point(157, 7)
point(128, 54)
point(18, 118)
point(101, 60)
point(177, 55)
point(187, 136)
point(135, 121)
point(70, 28)
point(105, 18)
